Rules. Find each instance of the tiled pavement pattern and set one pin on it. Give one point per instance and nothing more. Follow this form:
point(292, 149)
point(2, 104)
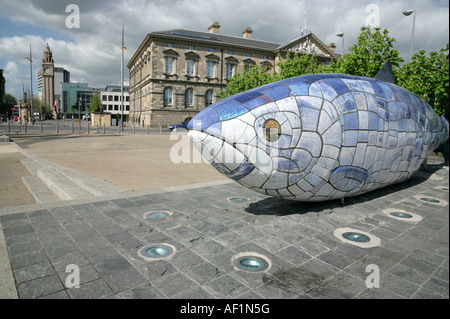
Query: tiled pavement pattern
point(103, 238)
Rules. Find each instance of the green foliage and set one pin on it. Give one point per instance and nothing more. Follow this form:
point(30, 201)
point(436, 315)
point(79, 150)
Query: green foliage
point(368, 55)
point(256, 76)
point(428, 77)
point(299, 65)
point(95, 103)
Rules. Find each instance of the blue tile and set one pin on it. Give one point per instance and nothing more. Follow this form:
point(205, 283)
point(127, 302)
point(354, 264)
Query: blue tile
point(277, 92)
point(351, 121)
point(247, 96)
point(250, 105)
point(338, 85)
point(230, 110)
point(300, 88)
point(309, 118)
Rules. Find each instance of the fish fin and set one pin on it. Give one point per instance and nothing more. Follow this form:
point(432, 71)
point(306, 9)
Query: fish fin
point(385, 73)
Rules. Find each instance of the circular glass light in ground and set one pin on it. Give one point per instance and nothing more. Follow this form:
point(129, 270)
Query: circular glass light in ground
point(238, 199)
point(401, 215)
point(157, 215)
point(252, 262)
point(358, 237)
point(156, 251)
point(429, 200)
point(445, 189)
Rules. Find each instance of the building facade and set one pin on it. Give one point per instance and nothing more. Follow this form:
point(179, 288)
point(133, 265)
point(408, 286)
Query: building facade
point(76, 99)
point(49, 79)
point(175, 74)
point(111, 100)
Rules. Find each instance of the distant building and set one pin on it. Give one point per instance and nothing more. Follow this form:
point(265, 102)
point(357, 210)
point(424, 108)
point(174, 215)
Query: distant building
point(111, 100)
point(49, 79)
point(176, 73)
point(76, 99)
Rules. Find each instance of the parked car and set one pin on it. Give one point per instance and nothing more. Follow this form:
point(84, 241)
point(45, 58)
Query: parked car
point(182, 125)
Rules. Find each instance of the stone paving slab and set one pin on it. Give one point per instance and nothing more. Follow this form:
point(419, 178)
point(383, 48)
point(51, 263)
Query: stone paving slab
point(103, 238)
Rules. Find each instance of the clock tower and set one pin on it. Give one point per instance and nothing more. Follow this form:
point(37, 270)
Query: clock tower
point(48, 78)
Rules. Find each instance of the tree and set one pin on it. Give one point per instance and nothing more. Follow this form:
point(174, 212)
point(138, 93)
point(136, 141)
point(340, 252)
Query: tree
point(300, 64)
point(95, 103)
point(240, 82)
point(5, 108)
point(368, 55)
point(428, 77)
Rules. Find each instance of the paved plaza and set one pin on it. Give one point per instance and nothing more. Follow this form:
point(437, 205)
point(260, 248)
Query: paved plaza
point(209, 223)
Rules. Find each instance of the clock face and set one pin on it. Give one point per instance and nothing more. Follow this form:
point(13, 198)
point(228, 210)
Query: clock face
point(47, 70)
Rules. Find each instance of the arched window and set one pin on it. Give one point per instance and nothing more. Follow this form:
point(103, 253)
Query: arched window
point(189, 97)
point(167, 96)
point(209, 97)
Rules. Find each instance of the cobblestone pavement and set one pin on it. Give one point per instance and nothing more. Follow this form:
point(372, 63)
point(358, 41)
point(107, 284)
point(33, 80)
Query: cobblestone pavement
point(208, 230)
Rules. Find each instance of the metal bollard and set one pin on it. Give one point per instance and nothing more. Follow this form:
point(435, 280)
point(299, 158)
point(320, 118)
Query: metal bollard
point(160, 129)
point(103, 128)
point(148, 129)
point(73, 128)
point(134, 129)
point(57, 127)
point(9, 126)
point(25, 127)
point(42, 127)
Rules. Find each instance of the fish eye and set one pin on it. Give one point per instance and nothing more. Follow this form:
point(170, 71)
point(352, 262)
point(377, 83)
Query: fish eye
point(272, 130)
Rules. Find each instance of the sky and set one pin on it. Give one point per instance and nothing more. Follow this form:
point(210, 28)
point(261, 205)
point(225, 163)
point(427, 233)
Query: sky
point(86, 40)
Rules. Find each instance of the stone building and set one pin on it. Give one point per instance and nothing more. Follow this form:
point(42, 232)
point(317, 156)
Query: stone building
point(176, 73)
point(49, 79)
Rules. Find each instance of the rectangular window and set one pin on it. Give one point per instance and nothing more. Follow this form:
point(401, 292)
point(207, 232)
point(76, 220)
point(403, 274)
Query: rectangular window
point(116, 107)
point(230, 70)
point(104, 97)
point(189, 97)
point(169, 65)
point(170, 45)
point(191, 47)
point(190, 67)
point(212, 50)
point(127, 99)
point(210, 69)
point(110, 97)
point(249, 55)
point(116, 98)
point(230, 52)
point(167, 96)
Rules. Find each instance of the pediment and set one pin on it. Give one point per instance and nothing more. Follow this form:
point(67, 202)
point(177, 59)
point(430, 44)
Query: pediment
point(192, 55)
point(308, 44)
point(171, 52)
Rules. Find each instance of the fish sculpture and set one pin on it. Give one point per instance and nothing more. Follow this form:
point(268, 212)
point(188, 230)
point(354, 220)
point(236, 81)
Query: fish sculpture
point(319, 137)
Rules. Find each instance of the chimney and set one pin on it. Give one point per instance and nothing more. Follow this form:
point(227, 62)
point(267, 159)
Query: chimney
point(247, 33)
point(214, 28)
point(332, 46)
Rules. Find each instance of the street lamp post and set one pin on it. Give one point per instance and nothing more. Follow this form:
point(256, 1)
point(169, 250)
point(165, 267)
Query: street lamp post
point(123, 48)
point(408, 13)
point(341, 35)
point(31, 83)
